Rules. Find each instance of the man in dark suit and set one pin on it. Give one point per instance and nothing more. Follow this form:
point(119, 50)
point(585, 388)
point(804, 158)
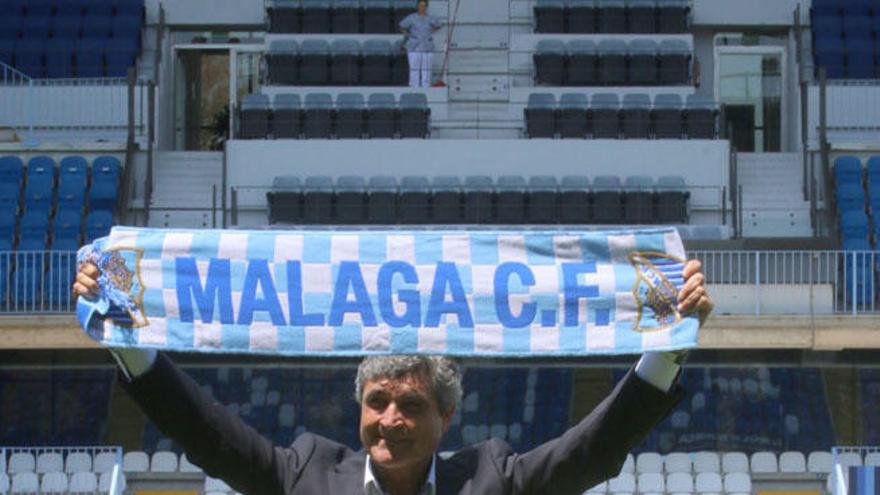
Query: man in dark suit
point(407, 403)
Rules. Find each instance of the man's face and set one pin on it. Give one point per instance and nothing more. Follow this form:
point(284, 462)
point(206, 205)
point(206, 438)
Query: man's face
point(423, 7)
point(401, 423)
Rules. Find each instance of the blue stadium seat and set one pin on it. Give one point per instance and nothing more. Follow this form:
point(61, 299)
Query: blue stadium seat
point(38, 8)
point(7, 50)
point(97, 26)
point(854, 225)
point(98, 7)
point(848, 170)
point(66, 27)
point(129, 8)
point(8, 219)
point(549, 61)
point(318, 200)
point(10, 27)
point(542, 201)
point(33, 228)
point(126, 27)
point(70, 8)
point(830, 53)
point(351, 199)
point(90, 57)
point(40, 186)
point(12, 8)
point(120, 55)
point(106, 171)
point(376, 58)
point(571, 120)
point(98, 224)
point(350, 115)
point(857, 27)
point(286, 116)
point(382, 200)
point(66, 230)
point(446, 199)
point(827, 26)
point(35, 28)
point(72, 179)
point(59, 58)
point(850, 197)
point(540, 115)
point(29, 57)
point(11, 169)
point(381, 115)
point(873, 174)
point(415, 200)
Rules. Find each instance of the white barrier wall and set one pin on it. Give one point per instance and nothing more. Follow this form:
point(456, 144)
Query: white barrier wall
point(214, 12)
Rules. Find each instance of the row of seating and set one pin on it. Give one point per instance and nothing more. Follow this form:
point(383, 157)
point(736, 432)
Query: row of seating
point(605, 116)
point(70, 462)
point(71, 27)
point(612, 16)
point(845, 38)
point(857, 190)
point(763, 462)
point(478, 200)
point(345, 62)
point(338, 16)
point(65, 58)
point(56, 483)
point(678, 483)
point(48, 8)
point(615, 62)
point(66, 231)
point(380, 116)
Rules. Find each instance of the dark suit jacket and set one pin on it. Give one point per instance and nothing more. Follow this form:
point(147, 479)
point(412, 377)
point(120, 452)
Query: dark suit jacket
point(227, 448)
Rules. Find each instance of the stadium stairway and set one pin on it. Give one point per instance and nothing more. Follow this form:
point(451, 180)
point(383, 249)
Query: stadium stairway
point(772, 202)
point(182, 188)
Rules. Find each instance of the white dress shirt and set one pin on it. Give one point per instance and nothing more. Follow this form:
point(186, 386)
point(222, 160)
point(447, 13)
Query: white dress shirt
point(372, 487)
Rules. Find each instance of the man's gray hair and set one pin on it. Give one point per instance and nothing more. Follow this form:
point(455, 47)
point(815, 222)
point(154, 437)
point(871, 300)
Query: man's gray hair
point(441, 372)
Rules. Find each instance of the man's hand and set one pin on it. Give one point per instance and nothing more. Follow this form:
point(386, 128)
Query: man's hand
point(86, 283)
point(693, 296)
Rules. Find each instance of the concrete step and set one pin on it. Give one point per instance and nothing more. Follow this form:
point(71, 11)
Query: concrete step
point(187, 179)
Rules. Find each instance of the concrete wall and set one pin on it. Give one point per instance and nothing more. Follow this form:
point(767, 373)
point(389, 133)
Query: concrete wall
point(214, 12)
point(748, 12)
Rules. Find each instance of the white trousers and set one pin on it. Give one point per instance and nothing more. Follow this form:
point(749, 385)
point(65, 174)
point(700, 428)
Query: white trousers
point(419, 69)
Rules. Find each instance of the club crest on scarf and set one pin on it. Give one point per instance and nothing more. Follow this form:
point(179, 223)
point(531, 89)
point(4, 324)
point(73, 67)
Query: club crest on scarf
point(658, 280)
point(121, 282)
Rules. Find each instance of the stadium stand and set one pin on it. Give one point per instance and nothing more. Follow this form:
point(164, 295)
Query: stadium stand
point(843, 38)
point(611, 16)
point(337, 16)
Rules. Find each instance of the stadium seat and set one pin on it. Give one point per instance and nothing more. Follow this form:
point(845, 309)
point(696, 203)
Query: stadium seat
point(65, 26)
point(286, 116)
point(848, 170)
point(542, 201)
point(510, 199)
point(90, 57)
point(601, 488)
point(97, 26)
point(25, 483)
point(126, 27)
point(83, 482)
point(549, 16)
point(622, 483)
point(830, 53)
point(98, 224)
point(377, 17)
point(40, 185)
point(792, 462)
point(638, 199)
point(29, 57)
point(285, 200)
point(574, 200)
point(581, 16)
point(611, 16)
point(399, 64)
point(318, 200)
point(72, 179)
point(284, 16)
point(679, 483)
point(860, 57)
point(479, 199)
point(35, 28)
point(668, 116)
point(651, 483)
point(582, 60)
point(314, 62)
point(612, 54)
point(605, 116)
point(318, 116)
point(414, 200)
point(737, 483)
point(708, 482)
point(540, 115)
point(344, 57)
point(120, 55)
point(854, 225)
point(11, 175)
point(21, 462)
point(135, 462)
point(54, 482)
point(8, 219)
point(376, 62)
point(281, 62)
point(549, 61)
point(351, 199)
point(672, 199)
point(7, 48)
point(104, 462)
point(672, 16)
point(872, 459)
point(163, 462)
point(607, 200)
point(350, 113)
point(255, 110)
point(103, 193)
point(764, 462)
point(649, 462)
point(642, 62)
point(641, 16)
point(446, 199)
point(706, 462)
point(66, 229)
point(849, 459)
point(382, 200)
point(850, 197)
point(345, 16)
point(4, 482)
point(59, 58)
point(572, 116)
point(216, 485)
point(734, 462)
point(381, 116)
point(105, 482)
point(700, 118)
point(315, 16)
point(186, 466)
point(677, 462)
point(48, 462)
point(414, 115)
point(129, 8)
point(636, 116)
point(674, 58)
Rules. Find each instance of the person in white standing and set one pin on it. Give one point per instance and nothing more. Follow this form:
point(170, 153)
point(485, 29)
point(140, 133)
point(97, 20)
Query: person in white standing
point(419, 28)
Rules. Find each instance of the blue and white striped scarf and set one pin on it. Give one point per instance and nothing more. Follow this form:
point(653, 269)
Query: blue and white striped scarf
point(357, 292)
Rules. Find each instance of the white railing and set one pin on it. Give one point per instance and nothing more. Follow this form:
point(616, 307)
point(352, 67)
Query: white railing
point(843, 459)
point(36, 281)
point(93, 105)
point(116, 484)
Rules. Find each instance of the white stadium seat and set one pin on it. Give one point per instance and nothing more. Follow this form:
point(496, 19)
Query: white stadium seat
point(78, 462)
point(679, 483)
point(677, 462)
point(651, 483)
point(3, 464)
point(764, 462)
point(4, 483)
point(820, 462)
point(186, 466)
point(734, 462)
point(872, 459)
point(21, 462)
point(135, 462)
point(623, 483)
point(163, 462)
point(629, 465)
point(106, 480)
point(792, 462)
point(850, 459)
point(54, 482)
point(49, 462)
point(25, 482)
point(709, 483)
point(649, 462)
point(83, 482)
point(598, 489)
point(216, 485)
point(707, 462)
point(737, 483)
point(104, 462)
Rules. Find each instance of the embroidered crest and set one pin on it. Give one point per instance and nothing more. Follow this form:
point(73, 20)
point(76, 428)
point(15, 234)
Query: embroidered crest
point(656, 295)
point(120, 267)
